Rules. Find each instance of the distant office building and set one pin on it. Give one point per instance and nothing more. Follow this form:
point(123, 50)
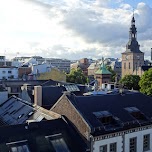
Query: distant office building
point(61, 64)
point(4, 62)
point(8, 72)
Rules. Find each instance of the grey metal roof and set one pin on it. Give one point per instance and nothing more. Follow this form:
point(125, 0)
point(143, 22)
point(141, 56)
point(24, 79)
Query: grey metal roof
point(17, 111)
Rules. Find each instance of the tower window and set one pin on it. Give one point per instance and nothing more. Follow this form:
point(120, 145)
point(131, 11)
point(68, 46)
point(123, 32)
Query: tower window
point(129, 66)
point(124, 65)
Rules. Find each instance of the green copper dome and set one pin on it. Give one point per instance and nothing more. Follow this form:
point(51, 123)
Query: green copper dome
point(102, 70)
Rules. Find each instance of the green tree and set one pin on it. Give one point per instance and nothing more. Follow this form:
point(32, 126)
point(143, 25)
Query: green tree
point(145, 82)
point(131, 81)
point(113, 73)
point(76, 76)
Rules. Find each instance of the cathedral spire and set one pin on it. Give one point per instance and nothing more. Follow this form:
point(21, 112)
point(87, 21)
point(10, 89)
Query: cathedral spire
point(133, 30)
point(132, 45)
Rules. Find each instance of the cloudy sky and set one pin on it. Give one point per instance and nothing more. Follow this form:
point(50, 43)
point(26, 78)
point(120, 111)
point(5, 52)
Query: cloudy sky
point(72, 29)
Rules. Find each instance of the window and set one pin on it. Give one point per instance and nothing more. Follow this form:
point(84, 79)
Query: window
point(113, 147)
point(22, 148)
point(19, 146)
point(133, 144)
point(104, 116)
point(136, 113)
point(9, 71)
point(107, 120)
point(3, 71)
point(3, 78)
point(58, 143)
point(146, 142)
point(129, 66)
point(124, 65)
point(103, 148)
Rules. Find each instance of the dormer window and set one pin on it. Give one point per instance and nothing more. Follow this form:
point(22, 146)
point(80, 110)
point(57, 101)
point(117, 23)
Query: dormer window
point(58, 142)
point(18, 146)
point(104, 116)
point(108, 120)
point(136, 113)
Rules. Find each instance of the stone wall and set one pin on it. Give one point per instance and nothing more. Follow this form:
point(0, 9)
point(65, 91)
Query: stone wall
point(64, 107)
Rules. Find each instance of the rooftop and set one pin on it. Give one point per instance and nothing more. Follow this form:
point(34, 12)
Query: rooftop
point(114, 104)
point(53, 135)
point(17, 111)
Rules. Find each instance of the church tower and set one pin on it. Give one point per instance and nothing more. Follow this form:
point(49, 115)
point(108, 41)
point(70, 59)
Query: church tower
point(132, 58)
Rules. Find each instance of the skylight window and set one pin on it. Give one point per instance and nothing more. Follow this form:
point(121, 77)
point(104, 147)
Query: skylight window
point(104, 116)
point(108, 120)
point(136, 113)
point(19, 146)
point(58, 143)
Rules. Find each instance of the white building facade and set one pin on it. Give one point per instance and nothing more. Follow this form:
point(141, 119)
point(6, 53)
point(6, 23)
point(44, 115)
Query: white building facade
point(8, 73)
point(132, 140)
point(40, 68)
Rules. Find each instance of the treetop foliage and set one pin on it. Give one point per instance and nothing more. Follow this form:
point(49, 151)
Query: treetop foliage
point(76, 76)
point(131, 81)
point(145, 82)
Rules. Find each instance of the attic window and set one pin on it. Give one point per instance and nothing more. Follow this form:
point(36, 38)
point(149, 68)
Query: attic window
point(136, 113)
point(108, 120)
point(58, 142)
point(103, 116)
point(19, 146)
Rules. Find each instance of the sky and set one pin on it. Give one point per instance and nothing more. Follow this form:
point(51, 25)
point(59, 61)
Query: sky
point(73, 29)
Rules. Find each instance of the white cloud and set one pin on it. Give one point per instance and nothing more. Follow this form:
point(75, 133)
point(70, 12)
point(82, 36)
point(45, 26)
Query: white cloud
point(71, 29)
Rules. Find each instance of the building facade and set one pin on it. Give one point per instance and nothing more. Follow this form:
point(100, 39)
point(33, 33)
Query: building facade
point(8, 72)
point(83, 64)
point(61, 64)
point(132, 58)
point(115, 122)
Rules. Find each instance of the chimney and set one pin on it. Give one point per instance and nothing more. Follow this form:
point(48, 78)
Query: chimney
point(38, 95)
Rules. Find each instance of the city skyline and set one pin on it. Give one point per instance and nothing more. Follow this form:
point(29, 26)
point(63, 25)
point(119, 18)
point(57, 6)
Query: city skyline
point(73, 29)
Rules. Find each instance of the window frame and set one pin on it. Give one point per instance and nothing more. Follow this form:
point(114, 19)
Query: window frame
point(146, 143)
point(18, 144)
point(103, 150)
point(133, 144)
point(52, 139)
point(113, 147)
